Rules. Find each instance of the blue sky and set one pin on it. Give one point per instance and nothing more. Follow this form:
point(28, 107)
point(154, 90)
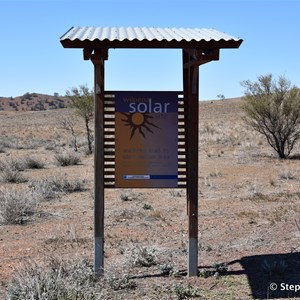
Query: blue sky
point(33, 60)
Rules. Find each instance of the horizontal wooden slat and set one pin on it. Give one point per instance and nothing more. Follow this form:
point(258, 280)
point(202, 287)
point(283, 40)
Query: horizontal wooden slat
point(110, 160)
point(109, 186)
point(181, 186)
point(107, 126)
point(109, 172)
point(108, 179)
point(181, 172)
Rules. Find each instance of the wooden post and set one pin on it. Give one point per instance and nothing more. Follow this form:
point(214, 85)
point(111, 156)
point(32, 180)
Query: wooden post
point(191, 94)
point(98, 61)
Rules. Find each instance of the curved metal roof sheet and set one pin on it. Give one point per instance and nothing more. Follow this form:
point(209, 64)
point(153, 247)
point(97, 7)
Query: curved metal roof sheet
point(147, 37)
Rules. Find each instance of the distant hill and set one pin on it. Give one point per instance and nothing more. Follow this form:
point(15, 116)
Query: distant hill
point(33, 101)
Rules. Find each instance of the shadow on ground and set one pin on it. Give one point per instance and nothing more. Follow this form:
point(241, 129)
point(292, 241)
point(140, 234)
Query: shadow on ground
point(271, 276)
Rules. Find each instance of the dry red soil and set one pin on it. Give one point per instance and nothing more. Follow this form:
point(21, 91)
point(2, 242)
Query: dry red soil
point(248, 212)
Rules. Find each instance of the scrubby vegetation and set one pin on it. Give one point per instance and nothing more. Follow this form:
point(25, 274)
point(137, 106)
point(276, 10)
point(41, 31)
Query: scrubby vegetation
point(272, 108)
point(249, 211)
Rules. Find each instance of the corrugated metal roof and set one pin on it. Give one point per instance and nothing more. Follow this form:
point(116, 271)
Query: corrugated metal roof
point(115, 37)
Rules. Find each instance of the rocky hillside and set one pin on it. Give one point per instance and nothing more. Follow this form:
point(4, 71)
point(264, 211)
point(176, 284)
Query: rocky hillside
point(33, 102)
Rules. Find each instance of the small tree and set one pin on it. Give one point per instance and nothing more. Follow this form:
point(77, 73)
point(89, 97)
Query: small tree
point(68, 123)
point(272, 108)
point(82, 100)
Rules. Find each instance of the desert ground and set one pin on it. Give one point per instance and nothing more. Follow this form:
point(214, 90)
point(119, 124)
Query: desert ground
point(249, 215)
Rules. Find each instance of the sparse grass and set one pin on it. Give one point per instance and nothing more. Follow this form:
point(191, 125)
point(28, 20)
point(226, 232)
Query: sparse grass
point(143, 257)
point(33, 163)
point(59, 280)
point(166, 269)
point(216, 270)
point(255, 191)
point(278, 215)
point(24, 145)
point(61, 241)
point(156, 214)
point(54, 187)
point(272, 181)
point(2, 149)
point(67, 158)
point(248, 214)
point(50, 146)
point(130, 196)
point(10, 163)
point(147, 207)
point(244, 223)
point(10, 171)
point(16, 205)
point(12, 176)
point(215, 173)
point(72, 186)
point(287, 175)
point(209, 129)
point(176, 193)
point(185, 291)
point(121, 283)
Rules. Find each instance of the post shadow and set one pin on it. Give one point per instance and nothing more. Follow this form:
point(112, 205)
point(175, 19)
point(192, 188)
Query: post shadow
point(271, 276)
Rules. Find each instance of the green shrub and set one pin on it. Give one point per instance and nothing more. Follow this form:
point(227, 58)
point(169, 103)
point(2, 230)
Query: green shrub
point(272, 108)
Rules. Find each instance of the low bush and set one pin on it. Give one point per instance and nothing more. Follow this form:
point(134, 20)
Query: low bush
point(186, 291)
point(54, 187)
point(17, 205)
point(65, 280)
point(10, 163)
point(33, 163)
point(121, 283)
point(10, 171)
point(67, 158)
point(2, 149)
point(143, 257)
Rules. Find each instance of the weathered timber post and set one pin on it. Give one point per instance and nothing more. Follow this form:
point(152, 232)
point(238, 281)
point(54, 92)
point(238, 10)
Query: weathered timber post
point(191, 98)
point(98, 59)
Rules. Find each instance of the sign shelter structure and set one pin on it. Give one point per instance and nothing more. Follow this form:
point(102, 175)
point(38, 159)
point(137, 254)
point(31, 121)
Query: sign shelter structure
point(199, 46)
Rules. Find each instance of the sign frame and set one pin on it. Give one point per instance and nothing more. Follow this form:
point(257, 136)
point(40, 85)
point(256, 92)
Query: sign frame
point(146, 139)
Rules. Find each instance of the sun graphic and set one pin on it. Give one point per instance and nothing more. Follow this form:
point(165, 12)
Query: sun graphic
point(138, 121)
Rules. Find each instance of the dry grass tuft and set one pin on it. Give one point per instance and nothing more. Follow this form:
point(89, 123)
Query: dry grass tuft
point(67, 158)
point(17, 205)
